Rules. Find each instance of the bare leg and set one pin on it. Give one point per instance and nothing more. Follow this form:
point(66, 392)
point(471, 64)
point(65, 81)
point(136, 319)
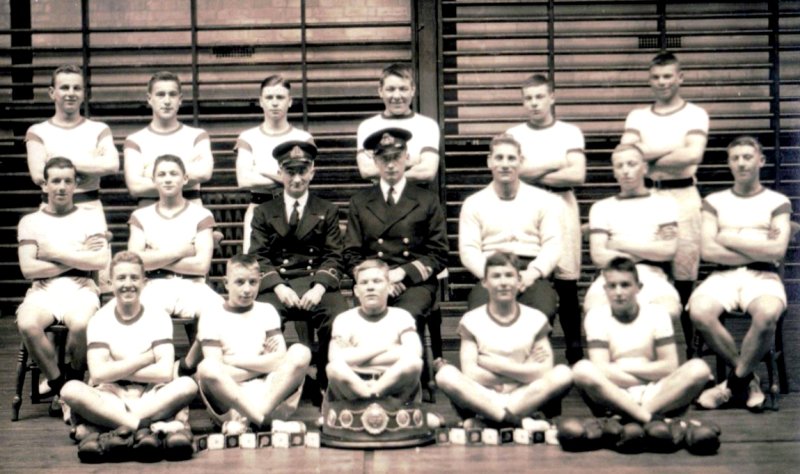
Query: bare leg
point(77, 321)
point(599, 388)
point(528, 398)
point(345, 383)
point(287, 378)
point(223, 391)
point(168, 400)
point(705, 313)
point(764, 312)
point(31, 323)
point(680, 387)
point(468, 393)
point(97, 407)
point(401, 377)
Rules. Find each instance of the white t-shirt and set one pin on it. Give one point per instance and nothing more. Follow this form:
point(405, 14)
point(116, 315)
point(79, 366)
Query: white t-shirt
point(547, 146)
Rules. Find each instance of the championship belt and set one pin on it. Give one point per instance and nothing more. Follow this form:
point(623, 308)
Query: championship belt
point(375, 423)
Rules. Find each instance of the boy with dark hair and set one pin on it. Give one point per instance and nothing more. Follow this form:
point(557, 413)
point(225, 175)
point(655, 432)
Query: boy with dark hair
point(507, 369)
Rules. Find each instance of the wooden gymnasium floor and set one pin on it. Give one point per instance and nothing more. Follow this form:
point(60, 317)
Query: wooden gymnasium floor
point(768, 443)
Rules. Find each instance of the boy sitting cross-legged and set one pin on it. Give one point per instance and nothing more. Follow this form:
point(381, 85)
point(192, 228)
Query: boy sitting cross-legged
point(247, 375)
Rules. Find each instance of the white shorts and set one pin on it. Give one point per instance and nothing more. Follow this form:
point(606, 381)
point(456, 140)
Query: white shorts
point(655, 287)
point(687, 257)
point(569, 264)
point(736, 289)
point(128, 396)
point(183, 298)
point(256, 389)
point(62, 295)
point(641, 394)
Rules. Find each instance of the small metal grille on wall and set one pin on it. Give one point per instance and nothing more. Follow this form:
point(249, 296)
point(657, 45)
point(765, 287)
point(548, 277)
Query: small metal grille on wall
point(233, 51)
point(652, 41)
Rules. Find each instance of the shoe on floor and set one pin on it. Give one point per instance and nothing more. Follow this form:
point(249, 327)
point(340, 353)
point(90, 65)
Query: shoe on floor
point(90, 450)
point(715, 396)
point(179, 445)
point(147, 446)
point(167, 426)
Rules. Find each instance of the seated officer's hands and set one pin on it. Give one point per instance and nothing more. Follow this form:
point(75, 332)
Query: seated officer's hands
point(528, 278)
point(312, 297)
point(397, 289)
point(287, 296)
point(396, 275)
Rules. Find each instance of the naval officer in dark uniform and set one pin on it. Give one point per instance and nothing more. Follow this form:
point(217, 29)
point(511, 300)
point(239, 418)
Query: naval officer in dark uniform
point(298, 243)
point(400, 224)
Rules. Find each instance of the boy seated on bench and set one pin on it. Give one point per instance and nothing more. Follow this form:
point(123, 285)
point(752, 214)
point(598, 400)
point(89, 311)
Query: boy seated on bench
point(131, 385)
point(247, 375)
point(507, 369)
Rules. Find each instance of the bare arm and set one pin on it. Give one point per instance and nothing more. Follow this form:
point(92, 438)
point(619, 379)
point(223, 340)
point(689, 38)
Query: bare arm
point(200, 262)
point(574, 174)
point(473, 370)
point(713, 251)
point(161, 370)
point(37, 157)
point(104, 159)
point(666, 363)
point(410, 346)
point(214, 352)
point(425, 169)
point(247, 175)
point(103, 368)
point(352, 355)
point(270, 359)
point(526, 372)
point(601, 358)
point(138, 176)
point(92, 255)
point(600, 252)
point(33, 268)
point(661, 249)
point(155, 258)
point(691, 153)
point(761, 250)
point(201, 166)
point(366, 165)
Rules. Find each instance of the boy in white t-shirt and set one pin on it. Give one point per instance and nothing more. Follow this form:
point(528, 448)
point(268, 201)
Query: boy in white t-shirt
point(247, 375)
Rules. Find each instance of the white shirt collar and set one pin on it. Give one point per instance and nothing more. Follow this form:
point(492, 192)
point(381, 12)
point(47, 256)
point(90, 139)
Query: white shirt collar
point(398, 189)
point(289, 203)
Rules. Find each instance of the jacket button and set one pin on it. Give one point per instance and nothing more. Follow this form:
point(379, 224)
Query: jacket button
point(308, 267)
point(286, 261)
point(405, 254)
point(405, 240)
point(380, 241)
point(283, 270)
point(380, 254)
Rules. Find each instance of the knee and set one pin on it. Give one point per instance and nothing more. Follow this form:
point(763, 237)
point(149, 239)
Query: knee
point(336, 370)
point(411, 366)
point(299, 356)
point(209, 370)
point(186, 387)
point(765, 315)
point(447, 378)
point(704, 312)
point(70, 392)
point(30, 322)
point(697, 371)
point(584, 374)
point(561, 376)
